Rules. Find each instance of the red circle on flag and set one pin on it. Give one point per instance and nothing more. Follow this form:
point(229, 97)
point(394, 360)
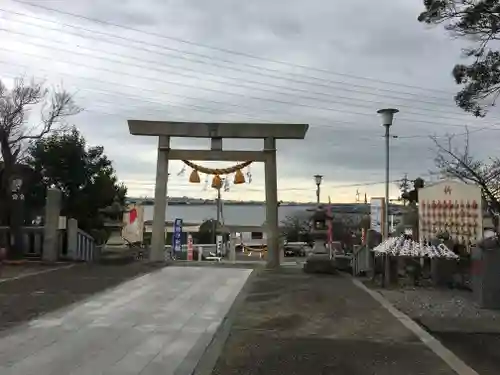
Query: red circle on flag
point(132, 216)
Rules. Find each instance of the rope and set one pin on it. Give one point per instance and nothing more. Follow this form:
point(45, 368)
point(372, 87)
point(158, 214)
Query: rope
point(257, 250)
point(217, 171)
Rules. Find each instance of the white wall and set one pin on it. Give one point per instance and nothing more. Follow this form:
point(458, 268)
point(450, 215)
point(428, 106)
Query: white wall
point(248, 215)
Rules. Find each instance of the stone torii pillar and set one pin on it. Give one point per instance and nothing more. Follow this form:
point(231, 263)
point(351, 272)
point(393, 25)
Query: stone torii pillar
point(272, 224)
point(157, 252)
point(216, 132)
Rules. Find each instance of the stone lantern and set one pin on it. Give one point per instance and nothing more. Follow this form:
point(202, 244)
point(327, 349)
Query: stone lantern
point(320, 260)
point(113, 221)
point(319, 223)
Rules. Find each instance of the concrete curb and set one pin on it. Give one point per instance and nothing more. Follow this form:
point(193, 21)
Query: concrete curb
point(213, 350)
point(456, 364)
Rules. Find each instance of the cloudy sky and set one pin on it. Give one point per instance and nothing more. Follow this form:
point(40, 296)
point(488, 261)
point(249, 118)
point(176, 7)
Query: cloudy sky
point(329, 64)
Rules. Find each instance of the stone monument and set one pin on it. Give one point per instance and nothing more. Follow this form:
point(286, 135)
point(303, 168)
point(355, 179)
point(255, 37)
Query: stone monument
point(320, 260)
point(485, 259)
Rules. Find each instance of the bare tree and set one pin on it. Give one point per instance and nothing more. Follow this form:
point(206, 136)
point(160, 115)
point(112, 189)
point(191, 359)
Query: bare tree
point(458, 163)
point(18, 128)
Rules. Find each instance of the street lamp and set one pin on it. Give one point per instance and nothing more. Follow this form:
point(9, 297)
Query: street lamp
point(387, 116)
point(318, 178)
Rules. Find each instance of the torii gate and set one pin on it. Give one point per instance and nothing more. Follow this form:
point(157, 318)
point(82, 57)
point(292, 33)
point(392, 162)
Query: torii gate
point(216, 132)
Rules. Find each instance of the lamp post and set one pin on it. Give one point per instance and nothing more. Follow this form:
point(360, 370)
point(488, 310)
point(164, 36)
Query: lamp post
point(318, 179)
point(387, 116)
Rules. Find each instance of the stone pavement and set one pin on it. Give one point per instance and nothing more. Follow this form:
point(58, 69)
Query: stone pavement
point(293, 323)
point(159, 323)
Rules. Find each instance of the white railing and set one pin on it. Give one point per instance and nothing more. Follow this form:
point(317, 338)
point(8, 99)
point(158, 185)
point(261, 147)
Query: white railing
point(85, 250)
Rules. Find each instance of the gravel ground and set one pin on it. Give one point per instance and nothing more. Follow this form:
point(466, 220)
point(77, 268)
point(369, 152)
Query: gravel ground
point(26, 298)
point(299, 324)
point(453, 317)
point(419, 303)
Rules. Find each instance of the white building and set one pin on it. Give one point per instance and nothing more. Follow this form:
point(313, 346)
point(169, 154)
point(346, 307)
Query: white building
point(247, 219)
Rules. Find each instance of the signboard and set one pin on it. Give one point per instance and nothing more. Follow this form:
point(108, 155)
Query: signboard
point(377, 214)
point(177, 237)
point(189, 247)
point(62, 222)
point(451, 207)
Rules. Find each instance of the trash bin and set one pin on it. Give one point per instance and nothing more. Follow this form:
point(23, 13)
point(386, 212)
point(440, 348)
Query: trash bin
point(485, 275)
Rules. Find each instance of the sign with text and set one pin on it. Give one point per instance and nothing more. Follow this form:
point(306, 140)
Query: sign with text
point(177, 237)
point(377, 214)
point(189, 247)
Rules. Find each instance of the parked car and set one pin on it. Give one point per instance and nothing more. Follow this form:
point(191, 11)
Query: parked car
point(295, 249)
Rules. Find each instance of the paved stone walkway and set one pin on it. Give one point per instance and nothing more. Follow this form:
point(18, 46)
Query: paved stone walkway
point(159, 323)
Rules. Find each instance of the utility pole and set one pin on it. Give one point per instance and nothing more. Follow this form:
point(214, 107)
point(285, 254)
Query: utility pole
point(404, 187)
point(216, 223)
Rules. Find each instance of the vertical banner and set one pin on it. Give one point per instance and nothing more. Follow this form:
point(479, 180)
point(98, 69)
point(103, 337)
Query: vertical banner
point(189, 247)
point(219, 249)
point(330, 227)
point(177, 237)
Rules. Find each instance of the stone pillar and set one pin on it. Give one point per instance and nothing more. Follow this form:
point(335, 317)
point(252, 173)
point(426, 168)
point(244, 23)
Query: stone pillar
point(157, 252)
point(232, 247)
point(72, 238)
point(51, 228)
point(273, 258)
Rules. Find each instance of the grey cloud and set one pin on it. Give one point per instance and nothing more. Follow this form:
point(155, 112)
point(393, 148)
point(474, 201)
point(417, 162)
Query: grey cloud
point(361, 37)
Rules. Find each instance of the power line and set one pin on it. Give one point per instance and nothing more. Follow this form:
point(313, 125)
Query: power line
point(172, 104)
point(218, 81)
point(259, 69)
point(228, 51)
point(282, 102)
point(163, 101)
point(415, 98)
point(332, 187)
point(207, 109)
